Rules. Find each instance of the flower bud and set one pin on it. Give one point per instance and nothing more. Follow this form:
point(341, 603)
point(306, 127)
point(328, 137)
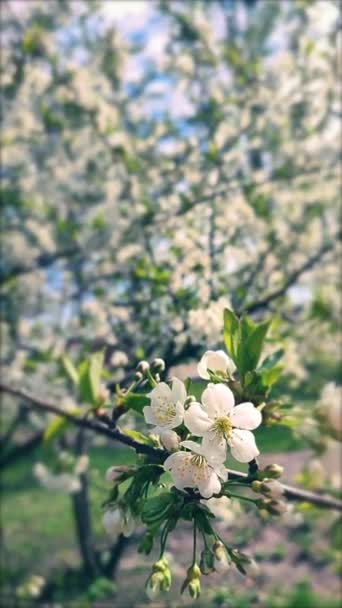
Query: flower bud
point(274, 471)
point(221, 561)
point(277, 507)
point(245, 563)
point(189, 400)
point(160, 578)
point(138, 376)
point(153, 585)
point(143, 367)
point(103, 395)
point(158, 365)
point(82, 464)
point(114, 473)
point(271, 488)
point(170, 439)
point(256, 486)
point(207, 561)
point(195, 588)
point(192, 581)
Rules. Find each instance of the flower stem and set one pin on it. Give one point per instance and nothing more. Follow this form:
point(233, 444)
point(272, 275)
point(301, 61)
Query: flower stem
point(240, 497)
point(194, 546)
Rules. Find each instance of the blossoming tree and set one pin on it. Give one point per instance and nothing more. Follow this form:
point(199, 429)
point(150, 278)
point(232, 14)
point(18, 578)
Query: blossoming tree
point(154, 176)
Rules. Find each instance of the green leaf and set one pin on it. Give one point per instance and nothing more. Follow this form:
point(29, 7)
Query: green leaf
point(231, 331)
point(271, 376)
point(70, 370)
point(137, 436)
point(84, 382)
point(272, 360)
point(136, 402)
point(252, 337)
point(90, 372)
point(95, 371)
point(255, 342)
point(55, 428)
point(59, 424)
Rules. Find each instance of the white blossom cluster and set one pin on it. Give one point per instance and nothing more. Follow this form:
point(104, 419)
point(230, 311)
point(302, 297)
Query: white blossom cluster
point(64, 481)
point(217, 420)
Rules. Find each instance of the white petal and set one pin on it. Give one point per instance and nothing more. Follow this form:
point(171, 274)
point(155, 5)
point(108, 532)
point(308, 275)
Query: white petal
point(179, 416)
point(197, 420)
point(161, 391)
point(202, 369)
point(246, 416)
point(214, 448)
point(181, 469)
point(178, 391)
point(149, 415)
point(218, 400)
point(221, 471)
point(216, 361)
point(229, 363)
point(243, 446)
point(192, 445)
point(209, 486)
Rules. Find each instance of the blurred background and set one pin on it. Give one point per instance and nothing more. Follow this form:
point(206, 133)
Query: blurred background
point(162, 161)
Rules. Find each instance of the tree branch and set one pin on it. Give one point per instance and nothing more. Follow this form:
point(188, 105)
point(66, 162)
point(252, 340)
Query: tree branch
point(156, 454)
point(291, 280)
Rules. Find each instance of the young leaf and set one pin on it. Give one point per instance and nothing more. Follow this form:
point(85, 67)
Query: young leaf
point(90, 372)
point(95, 371)
point(252, 337)
point(137, 436)
point(136, 402)
point(271, 376)
point(70, 370)
point(272, 360)
point(256, 340)
point(55, 428)
point(231, 332)
point(84, 382)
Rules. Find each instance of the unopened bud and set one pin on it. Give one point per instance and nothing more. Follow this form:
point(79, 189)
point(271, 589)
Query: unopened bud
point(190, 399)
point(277, 507)
point(114, 473)
point(170, 439)
point(154, 585)
point(103, 395)
point(143, 367)
point(256, 486)
point(195, 588)
point(158, 365)
point(245, 563)
point(271, 488)
point(192, 581)
point(274, 471)
point(221, 561)
point(207, 561)
point(138, 376)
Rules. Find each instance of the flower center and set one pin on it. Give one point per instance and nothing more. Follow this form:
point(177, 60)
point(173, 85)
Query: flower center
point(223, 426)
point(198, 461)
point(165, 411)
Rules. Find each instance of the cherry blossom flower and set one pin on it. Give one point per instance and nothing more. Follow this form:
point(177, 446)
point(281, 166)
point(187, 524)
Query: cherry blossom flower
point(196, 469)
point(219, 423)
point(217, 361)
point(117, 522)
point(167, 406)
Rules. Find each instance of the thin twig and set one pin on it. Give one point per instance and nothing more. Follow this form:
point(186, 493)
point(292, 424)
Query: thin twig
point(157, 454)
